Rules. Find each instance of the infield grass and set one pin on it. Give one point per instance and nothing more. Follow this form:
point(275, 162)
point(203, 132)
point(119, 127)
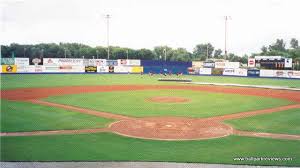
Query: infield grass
point(135, 103)
point(111, 147)
point(285, 122)
point(11, 81)
point(22, 116)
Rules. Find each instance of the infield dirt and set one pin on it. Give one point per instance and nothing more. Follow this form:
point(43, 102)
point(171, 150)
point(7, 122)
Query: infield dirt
point(160, 128)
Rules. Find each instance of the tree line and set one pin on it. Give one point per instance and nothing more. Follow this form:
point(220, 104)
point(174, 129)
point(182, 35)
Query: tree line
point(200, 52)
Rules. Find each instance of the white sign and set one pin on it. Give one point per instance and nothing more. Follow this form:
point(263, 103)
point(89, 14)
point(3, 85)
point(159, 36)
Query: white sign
point(62, 61)
point(102, 68)
point(229, 65)
point(288, 63)
point(122, 62)
point(30, 69)
point(268, 57)
point(267, 73)
point(228, 72)
point(209, 64)
point(240, 72)
point(219, 64)
point(122, 69)
point(134, 62)
point(64, 68)
point(197, 64)
point(280, 73)
point(22, 61)
point(205, 71)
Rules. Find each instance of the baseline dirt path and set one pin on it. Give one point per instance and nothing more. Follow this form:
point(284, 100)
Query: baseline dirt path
point(162, 128)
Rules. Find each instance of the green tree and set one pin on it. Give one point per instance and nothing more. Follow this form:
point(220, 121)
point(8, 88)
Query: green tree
point(217, 53)
point(203, 51)
point(264, 49)
point(159, 52)
point(294, 43)
point(279, 45)
point(180, 54)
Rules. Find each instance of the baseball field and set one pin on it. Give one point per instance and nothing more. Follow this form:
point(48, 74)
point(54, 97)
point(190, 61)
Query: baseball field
point(127, 117)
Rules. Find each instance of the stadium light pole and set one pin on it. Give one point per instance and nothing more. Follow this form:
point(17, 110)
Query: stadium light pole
point(24, 52)
point(226, 19)
point(165, 51)
point(97, 53)
point(107, 22)
point(127, 53)
point(207, 51)
point(65, 53)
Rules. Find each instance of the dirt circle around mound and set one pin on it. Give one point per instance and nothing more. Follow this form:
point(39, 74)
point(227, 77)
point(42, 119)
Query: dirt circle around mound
point(168, 99)
point(171, 128)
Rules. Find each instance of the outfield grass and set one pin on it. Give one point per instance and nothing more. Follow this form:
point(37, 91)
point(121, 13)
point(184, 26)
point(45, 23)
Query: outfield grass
point(52, 80)
point(21, 116)
point(111, 147)
point(135, 103)
point(286, 122)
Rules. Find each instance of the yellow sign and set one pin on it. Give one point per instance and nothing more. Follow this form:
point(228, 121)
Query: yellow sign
point(9, 68)
point(137, 69)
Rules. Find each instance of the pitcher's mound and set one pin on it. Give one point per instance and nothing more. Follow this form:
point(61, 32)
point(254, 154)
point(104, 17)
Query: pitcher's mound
point(168, 99)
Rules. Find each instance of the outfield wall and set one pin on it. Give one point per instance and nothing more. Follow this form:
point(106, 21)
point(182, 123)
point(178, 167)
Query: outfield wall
point(78, 65)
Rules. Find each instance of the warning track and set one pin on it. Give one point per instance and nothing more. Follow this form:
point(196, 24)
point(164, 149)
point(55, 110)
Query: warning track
point(160, 128)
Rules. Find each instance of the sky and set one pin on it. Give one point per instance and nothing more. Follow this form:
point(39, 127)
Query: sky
point(149, 23)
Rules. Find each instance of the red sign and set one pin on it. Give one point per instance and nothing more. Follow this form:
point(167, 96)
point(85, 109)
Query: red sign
point(251, 62)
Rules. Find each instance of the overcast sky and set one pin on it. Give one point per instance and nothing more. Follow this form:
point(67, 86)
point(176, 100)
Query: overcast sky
point(148, 23)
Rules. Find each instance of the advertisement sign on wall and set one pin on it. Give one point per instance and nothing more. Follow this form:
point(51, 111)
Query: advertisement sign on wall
point(111, 69)
point(36, 61)
point(111, 63)
point(228, 72)
point(63, 61)
point(240, 72)
point(208, 64)
point(137, 69)
point(253, 72)
point(122, 62)
point(100, 62)
point(7, 61)
point(9, 68)
point(134, 62)
point(280, 73)
point(102, 69)
point(296, 74)
point(64, 68)
point(267, 73)
point(197, 64)
point(220, 64)
point(205, 71)
point(122, 69)
point(90, 69)
point(24, 69)
point(22, 61)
